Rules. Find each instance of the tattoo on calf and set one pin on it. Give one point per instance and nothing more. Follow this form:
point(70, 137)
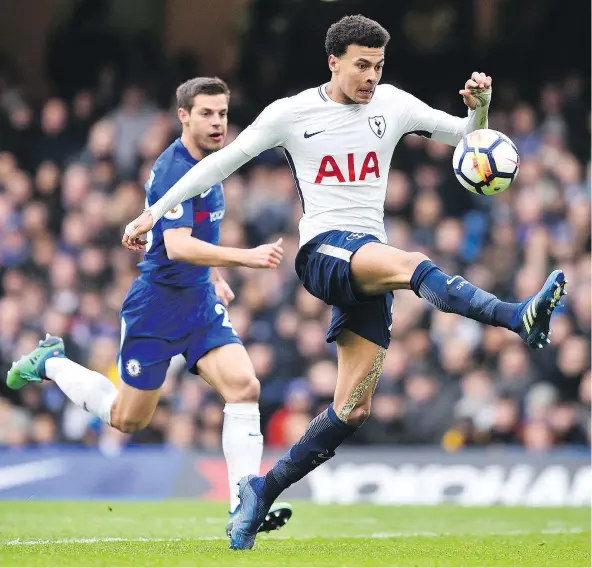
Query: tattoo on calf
point(370, 381)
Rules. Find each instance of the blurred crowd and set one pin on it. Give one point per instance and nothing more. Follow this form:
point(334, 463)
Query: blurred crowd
point(72, 174)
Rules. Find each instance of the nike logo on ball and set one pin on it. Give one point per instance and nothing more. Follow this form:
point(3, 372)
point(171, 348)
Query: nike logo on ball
point(307, 135)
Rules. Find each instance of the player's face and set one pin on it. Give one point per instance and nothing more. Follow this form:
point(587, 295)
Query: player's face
point(358, 72)
point(207, 122)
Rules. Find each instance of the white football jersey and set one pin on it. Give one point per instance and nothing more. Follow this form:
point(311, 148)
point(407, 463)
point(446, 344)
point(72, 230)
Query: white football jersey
point(340, 154)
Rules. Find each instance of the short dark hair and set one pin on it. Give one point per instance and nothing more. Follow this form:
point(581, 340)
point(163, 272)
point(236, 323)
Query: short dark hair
point(187, 91)
point(357, 30)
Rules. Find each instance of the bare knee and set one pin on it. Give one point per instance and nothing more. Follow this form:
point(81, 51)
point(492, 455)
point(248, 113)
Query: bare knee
point(243, 388)
point(127, 422)
point(383, 269)
point(412, 260)
point(403, 270)
point(129, 425)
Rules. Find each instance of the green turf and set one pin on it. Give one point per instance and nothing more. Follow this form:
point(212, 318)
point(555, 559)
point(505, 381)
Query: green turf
point(192, 534)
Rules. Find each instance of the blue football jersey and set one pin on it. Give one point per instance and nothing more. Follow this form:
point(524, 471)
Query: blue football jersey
point(203, 213)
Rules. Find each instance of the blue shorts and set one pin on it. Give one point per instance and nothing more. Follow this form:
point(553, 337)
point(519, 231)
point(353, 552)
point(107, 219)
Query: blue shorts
point(159, 322)
point(323, 266)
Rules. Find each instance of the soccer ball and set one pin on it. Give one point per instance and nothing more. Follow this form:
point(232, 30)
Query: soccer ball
point(486, 162)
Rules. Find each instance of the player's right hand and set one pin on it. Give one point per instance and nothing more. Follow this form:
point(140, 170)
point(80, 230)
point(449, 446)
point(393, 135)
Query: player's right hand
point(477, 91)
point(133, 237)
point(265, 256)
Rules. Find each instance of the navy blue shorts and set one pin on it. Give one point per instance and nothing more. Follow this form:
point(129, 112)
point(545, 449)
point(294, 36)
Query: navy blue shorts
point(159, 322)
point(323, 266)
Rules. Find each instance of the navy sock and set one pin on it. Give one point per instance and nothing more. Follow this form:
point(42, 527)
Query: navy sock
point(455, 295)
point(323, 435)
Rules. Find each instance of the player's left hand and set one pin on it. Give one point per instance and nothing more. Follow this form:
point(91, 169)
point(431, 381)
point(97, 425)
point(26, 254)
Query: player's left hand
point(477, 91)
point(134, 235)
point(223, 291)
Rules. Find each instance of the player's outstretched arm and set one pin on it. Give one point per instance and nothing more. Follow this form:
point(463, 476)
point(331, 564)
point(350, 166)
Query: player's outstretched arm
point(208, 172)
point(182, 247)
point(269, 130)
point(442, 127)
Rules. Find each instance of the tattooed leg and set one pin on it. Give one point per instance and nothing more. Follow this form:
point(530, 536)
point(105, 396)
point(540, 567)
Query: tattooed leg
point(359, 365)
point(366, 388)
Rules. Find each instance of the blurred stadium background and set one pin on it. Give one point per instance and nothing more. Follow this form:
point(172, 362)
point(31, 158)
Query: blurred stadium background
point(86, 105)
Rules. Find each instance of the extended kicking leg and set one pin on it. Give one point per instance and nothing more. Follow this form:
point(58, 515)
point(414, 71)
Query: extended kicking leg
point(379, 268)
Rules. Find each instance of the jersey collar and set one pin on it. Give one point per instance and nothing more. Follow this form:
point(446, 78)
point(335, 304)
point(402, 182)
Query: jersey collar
point(322, 91)
point(185, 152)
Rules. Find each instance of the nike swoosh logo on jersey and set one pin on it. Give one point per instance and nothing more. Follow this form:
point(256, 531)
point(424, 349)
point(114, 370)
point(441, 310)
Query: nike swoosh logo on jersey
point(451, 280)
point(307, 135)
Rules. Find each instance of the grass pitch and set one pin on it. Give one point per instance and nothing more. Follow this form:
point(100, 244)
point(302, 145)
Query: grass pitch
point(174, 533)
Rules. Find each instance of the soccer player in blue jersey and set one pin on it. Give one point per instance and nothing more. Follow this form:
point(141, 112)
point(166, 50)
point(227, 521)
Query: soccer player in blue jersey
point(178, 306)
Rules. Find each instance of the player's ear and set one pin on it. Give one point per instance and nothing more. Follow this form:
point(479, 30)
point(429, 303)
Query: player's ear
point(333, 63)
point(183, 115)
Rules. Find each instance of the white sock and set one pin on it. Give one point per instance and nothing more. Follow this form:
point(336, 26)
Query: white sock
point(85, 388)
point(242, 443)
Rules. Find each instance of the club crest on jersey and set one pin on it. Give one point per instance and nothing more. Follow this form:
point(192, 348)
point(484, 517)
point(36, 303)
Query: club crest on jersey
point(133, 368)
point(174, 213)
point(378, 125)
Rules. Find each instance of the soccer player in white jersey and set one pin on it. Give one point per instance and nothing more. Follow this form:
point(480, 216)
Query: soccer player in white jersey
point(339, 139)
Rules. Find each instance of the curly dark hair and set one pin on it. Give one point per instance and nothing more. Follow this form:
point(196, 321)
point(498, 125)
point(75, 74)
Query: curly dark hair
point(199, 86)
point(357, 30)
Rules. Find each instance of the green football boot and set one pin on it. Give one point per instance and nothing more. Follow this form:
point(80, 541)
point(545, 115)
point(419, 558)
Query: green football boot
point(31, 368)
